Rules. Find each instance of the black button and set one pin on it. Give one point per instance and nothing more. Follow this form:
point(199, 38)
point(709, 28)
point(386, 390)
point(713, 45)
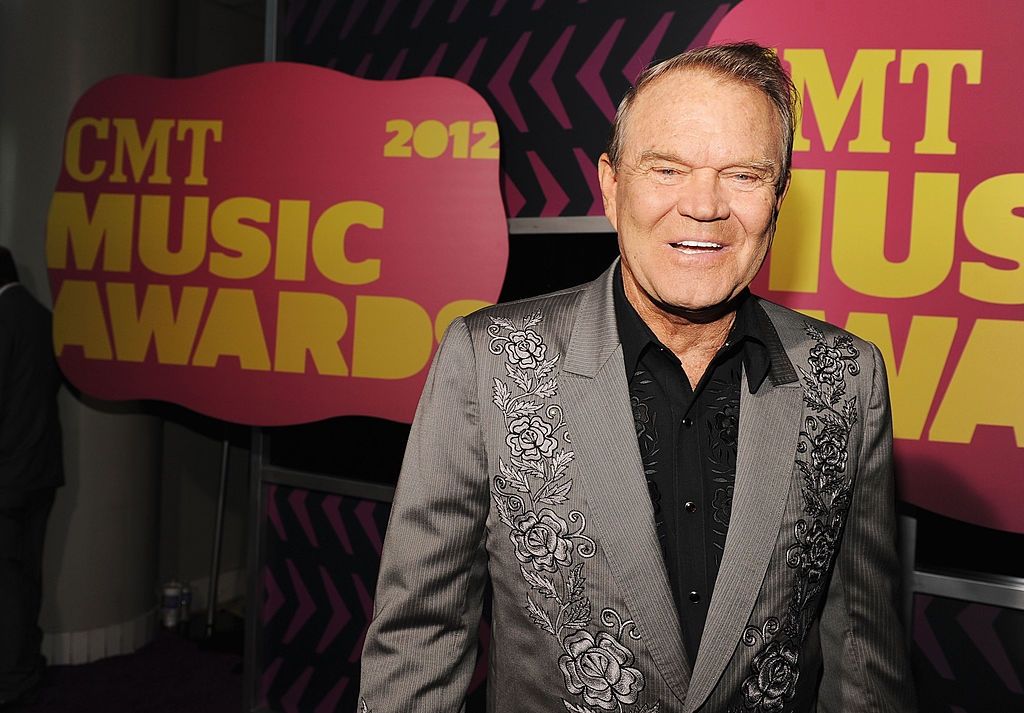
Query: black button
point(694, 597)
point(691, 506)
point(687, 422)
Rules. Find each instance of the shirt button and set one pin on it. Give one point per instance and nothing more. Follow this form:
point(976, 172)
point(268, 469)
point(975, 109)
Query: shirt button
point(687, 422)
point(694, 597)
point(691, 506)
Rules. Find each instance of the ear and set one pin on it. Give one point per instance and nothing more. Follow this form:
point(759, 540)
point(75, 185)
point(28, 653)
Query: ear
point(609, 184)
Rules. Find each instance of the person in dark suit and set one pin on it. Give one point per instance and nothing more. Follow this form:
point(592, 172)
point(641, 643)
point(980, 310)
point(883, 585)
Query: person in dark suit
point(31, 469)
point(680, 494)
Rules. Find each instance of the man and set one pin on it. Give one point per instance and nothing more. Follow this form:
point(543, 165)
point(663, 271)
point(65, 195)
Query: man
point(31, 468)
point(681, 495)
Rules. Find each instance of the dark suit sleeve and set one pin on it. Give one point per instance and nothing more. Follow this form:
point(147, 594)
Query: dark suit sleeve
point(865, 663)
point(420, 649)
point(9, 429)
point(6, 367)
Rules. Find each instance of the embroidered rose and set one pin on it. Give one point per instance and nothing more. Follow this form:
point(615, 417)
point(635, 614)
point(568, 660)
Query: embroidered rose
point(529, 438)
point(540, 539)
point(828, 453)
point(827, 363)
point(601, 670)
point(722, 505)
point(641, 414)
point(819, 545)
point(776, 670)
point(727, 425)
point(525, 348)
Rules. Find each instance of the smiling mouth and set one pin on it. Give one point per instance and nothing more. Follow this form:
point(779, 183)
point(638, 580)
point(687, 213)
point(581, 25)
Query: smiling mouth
point(694, 247)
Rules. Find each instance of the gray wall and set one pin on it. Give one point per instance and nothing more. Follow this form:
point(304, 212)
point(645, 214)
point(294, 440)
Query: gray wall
point(100, 566)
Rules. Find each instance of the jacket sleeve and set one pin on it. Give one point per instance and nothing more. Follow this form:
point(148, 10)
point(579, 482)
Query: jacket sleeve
point(420, 648)
point(865, 661)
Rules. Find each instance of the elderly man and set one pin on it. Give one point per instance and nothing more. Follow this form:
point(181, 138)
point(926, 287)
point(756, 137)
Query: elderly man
point(680, 494)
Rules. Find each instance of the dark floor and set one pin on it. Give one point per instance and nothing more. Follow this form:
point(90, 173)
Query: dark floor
point(173, 674)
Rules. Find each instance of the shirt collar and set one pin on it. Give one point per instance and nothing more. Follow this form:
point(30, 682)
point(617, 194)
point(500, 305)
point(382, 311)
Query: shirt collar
point(751, 332)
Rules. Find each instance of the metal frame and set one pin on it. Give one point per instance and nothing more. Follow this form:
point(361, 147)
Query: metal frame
point(994, 589)
point(328, 484)
point(907, 553)
point(567, 224)
point(218, 537)
point(257, 459)
point(261, 474)
point(270, 18)
point(980, 587)
point(254, 555)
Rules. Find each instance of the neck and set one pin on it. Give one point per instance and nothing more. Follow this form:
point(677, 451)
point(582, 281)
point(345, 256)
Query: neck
point(693, 336)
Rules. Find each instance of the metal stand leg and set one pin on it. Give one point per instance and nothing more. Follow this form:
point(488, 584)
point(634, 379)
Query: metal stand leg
point(218, 530)
point(908, 547)
point(253, 631)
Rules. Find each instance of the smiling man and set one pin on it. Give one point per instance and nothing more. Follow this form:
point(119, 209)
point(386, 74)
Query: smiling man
point(681, 495)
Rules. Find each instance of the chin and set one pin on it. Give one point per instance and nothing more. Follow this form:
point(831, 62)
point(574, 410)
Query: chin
point(695, 296)
point(692, 304)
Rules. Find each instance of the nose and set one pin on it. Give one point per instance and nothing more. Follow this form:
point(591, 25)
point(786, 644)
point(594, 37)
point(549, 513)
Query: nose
point(701, 196)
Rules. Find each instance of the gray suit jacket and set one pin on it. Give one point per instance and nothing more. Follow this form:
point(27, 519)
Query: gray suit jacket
point(523, 470)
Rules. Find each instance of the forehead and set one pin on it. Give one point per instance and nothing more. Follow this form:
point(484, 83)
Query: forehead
point(693, 109)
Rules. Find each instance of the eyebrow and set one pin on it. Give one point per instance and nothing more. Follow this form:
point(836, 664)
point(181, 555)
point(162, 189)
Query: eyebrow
point(650, 155)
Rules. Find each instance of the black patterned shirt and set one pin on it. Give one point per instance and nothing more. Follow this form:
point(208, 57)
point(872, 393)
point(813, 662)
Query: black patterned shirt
point(687, 439)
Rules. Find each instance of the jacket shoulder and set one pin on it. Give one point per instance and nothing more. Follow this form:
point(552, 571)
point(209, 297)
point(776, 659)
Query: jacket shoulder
point(797, 330)
point(562, 303)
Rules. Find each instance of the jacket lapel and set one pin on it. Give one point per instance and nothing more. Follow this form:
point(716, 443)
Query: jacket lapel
point(768, 432)
point(596, 399)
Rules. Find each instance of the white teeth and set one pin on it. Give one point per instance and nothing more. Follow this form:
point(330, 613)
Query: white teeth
point(696, 244)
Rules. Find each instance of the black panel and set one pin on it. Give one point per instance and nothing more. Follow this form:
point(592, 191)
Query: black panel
point(944, 543)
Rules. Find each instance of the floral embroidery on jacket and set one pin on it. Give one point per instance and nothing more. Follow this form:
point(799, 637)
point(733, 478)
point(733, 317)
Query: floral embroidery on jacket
point(826, 490)
point(551, 547)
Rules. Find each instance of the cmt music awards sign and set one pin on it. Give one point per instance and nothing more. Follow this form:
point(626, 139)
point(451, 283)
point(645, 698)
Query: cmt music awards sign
point(273, 243)
point(905, 224)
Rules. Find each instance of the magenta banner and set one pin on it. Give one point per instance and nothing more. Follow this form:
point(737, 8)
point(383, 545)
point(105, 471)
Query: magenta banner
point(905, 224)
point(273, 243)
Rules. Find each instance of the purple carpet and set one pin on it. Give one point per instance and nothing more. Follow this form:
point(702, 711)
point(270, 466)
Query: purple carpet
point(170, 675)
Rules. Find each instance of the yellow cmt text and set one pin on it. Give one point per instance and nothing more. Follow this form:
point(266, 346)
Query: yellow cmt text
point(133, 154)
point(831, 102)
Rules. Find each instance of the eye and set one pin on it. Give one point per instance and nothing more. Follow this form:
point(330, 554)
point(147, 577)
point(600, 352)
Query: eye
point(665, 175)
point(743, 176)
point(745, 179)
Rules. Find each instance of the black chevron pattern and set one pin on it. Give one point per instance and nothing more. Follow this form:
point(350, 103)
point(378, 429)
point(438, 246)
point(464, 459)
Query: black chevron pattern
point(552, 70)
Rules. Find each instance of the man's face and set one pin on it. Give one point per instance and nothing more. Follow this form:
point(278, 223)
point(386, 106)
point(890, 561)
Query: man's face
point(694, 198)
